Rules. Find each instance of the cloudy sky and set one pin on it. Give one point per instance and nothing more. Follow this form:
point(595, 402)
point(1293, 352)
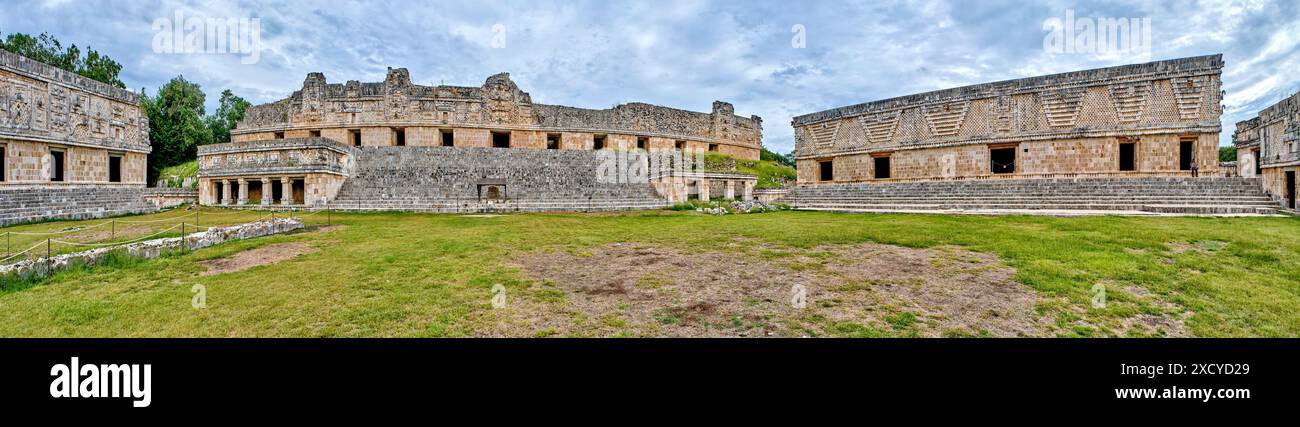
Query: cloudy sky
point(683, 54)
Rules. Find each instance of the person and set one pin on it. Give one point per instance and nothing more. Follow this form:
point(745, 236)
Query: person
point(1196, 169)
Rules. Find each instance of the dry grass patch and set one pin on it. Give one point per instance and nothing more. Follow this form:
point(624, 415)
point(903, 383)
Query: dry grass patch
point(264, 255)
point(852, 290)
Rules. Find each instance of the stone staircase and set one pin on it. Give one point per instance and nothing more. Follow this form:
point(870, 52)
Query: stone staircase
point(445, 179)
point(21, 205)
point(1148, 195)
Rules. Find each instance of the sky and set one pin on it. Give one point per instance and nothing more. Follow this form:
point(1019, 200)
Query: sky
point(774, 59)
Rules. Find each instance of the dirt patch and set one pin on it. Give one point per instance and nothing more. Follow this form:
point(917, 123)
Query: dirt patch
point(264, 255)
point(855, 290)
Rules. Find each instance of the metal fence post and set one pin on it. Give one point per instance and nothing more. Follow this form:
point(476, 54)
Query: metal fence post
point(8, 237)
point(49, 261)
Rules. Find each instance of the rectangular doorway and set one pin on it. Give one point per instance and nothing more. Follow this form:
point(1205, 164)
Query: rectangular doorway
point(1185, 155)
point(1127, 160)
point(1290, 190)
point(826, 170)
point(1002, 160)
point(882, 167)
point(56, 169)
point(500, 139)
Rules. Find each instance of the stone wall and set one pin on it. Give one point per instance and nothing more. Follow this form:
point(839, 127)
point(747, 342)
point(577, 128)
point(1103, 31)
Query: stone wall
point(1060, 124)
point(150, 248)
point(376, 110)
point(38, 203)
point(46, 111)
point(1271, 140)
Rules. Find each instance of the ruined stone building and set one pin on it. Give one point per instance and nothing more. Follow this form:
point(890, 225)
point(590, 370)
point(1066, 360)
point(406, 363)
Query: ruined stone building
point(1118, 138)
point(398, 145)
point(70, 147)
point(1268, 147)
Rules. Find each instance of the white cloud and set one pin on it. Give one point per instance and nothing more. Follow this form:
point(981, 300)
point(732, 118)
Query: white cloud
point(683, 54)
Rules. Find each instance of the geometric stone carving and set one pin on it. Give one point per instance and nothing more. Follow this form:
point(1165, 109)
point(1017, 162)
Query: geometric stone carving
point(1061, 106)
point(850, 135)
point(823, 134)
point(945, 119)
point(880, 126)
point(1130, 101)
point(1187, 93)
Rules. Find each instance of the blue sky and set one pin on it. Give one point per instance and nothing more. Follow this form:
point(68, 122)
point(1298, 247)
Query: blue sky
point(683, 54)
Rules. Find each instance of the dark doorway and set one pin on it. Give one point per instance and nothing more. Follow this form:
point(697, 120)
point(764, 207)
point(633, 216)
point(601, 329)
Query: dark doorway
point(355, 136)
point(552, 141)
point(643, 143)
point(56, 172)
point(500, 139)
point(882, 168)
point(598, 142)
point(1185, 155)
point(448, 138)
point(114, 168)
point(1002, 160)
point(218, 190)
point(277, 191)
point(299, 192)
point(1126, 157)
point(827, 170)
point(1290, 190)
point(2, 163)
point(399, 136)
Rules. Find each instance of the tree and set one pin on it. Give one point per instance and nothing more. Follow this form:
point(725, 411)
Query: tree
point(176, 124)
point(1227, 154)
point(229, 113)
point(45, 48)
point(774, 157)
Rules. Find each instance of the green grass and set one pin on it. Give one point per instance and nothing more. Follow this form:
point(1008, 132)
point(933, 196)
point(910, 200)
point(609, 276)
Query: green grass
point(395, 274)
point(177, 174)
point(770, 174)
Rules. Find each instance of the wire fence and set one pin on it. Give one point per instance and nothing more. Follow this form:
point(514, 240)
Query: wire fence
point(118, 232)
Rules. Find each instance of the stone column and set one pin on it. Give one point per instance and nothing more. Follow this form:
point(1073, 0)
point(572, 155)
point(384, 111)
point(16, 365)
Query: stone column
point(267, 193)
point(703, 186)
point(243, 192)
point(747, 191)
point(286, 191)
point(729, 190)
point(227, 189)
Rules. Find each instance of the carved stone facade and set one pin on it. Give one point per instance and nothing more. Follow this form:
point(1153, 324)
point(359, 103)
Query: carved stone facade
point(65, 133)
point(1135, 120)
point(398, 112)
point(398, 145)
point(1268, 147)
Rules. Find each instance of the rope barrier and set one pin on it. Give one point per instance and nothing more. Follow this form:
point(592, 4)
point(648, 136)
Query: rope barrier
point(6, 259)
point(53, 233)
point(118, 243)
point(159, 220)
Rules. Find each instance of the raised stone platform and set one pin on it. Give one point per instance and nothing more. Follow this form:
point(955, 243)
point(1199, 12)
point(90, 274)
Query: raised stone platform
point(40, 203)
point(452, 179)
point(1183, 196)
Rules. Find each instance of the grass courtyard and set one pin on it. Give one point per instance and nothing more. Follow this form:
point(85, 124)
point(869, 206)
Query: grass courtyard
point(665, 273)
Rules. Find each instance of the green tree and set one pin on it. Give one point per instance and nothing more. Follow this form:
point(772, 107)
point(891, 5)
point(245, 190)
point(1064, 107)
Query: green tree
point(45, 48)
point(176, 124)
point(229, 113)
point(774, 157)
point(1227, 154)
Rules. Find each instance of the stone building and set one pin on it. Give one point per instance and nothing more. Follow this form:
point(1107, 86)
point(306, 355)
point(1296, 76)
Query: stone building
point(1268, 147)
point(70, 147)
point(436, 147)
point(1137, 120)
point(1111, 139)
